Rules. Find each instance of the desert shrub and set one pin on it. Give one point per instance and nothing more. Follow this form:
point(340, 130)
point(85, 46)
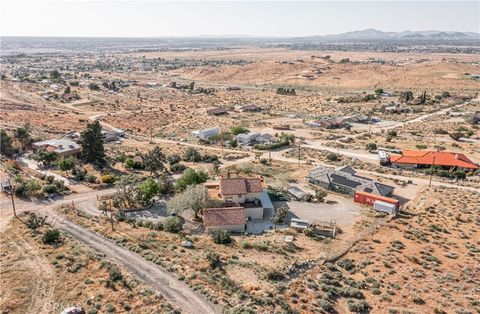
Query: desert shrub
point(213, 259)
point(173, 224)
point(371, 146)
point(50, 189)
point(192, 154)
point(91, 178)
point(346, 264)
point(332, 157)
point(209, 158)
point(108, 179)
point(439, 131)
point(245, 245)
point(275, 275)
point(34, 222)
point(238, 130)
point(174, 159)
point(457, 135)
point(357, 306)
point(392, 133)
point(260, 246)
point(51, 236)
point(177, 167)
point(421, 146)
point(221, 237)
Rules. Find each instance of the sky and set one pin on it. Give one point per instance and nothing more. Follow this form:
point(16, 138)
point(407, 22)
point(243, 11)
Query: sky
point(267, 18)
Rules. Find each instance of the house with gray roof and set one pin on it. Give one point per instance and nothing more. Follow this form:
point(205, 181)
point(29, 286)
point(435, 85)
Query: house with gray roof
point(62, 147)
point(346, 180)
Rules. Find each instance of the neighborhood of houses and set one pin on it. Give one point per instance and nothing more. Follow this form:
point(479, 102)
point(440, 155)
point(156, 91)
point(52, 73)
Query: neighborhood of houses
point(246, 206)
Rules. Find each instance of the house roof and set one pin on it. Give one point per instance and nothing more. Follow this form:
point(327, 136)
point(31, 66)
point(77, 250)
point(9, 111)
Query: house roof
point(58, 146)
point(418, 157)
point(216, 111)
point(347, 177)
point(234, 186)
point(223, 216)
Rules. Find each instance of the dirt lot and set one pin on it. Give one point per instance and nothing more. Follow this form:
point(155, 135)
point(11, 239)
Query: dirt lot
point(43, 278)
point(425, 260)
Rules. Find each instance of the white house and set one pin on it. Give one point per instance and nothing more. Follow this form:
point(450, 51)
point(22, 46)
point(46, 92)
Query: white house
point(206, 133)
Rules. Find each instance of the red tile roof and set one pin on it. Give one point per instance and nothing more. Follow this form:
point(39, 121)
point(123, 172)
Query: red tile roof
point(448, 159)
point(223, 216)
point(236, 186)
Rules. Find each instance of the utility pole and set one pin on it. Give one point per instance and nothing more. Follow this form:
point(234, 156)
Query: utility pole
point(431, 173)
point(222, 143)
point(111, 216)
point(270, 152)
point(11, 196)
point(299, 153)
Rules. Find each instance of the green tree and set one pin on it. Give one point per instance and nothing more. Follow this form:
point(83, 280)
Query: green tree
point(147, 190)
point(194, 198)
point(371, 146)
point(126, 194)
point(55, 76)
point(191, 177)
point(280, 215)
point(379, 91)
point(287, 137)
point(92, 144)
point(66, 164)
point(23, 136)
point(67, 90)
point(6, 147)
point(153, 160)
point(320, 195)
point(45, 157)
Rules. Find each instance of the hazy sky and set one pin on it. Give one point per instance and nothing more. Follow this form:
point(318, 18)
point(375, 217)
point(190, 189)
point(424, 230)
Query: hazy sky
point(286, 18)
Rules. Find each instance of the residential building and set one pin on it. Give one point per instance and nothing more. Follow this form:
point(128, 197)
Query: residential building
point(250, 108)
point(231, 219)
point(206, 133)
point(423, 159)
point(346, 180)
point(216, 111)
point(248, 193)
point(327, 123)
point(61, 147)
point(255, 138)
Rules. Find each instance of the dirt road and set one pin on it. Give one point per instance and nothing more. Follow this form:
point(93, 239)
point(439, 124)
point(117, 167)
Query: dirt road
point(153, 275)
point(161, 280)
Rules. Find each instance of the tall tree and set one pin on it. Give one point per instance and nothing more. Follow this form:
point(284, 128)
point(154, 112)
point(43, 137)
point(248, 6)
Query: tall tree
point(194, 198)
point(92, 144)
point(5, 143)
point(22, 135)
point(66, 164)
point(153, 160)
point(45, 157)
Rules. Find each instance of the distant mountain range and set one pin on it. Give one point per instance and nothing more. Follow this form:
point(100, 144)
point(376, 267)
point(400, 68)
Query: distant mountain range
point(371, 33)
